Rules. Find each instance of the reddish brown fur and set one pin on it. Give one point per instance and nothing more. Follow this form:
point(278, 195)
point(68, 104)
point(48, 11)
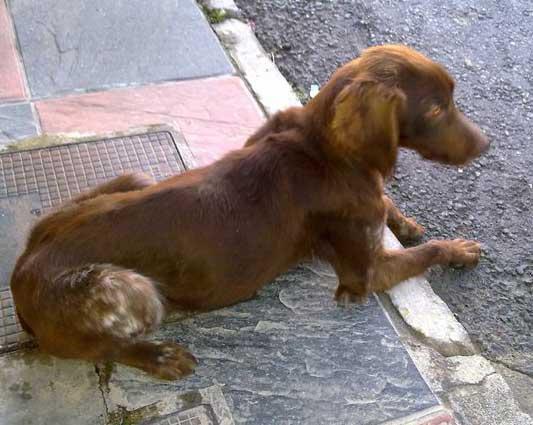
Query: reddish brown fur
point(308, 183)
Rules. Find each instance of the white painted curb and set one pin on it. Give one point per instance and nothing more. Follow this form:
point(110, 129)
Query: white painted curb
point(426, 313)
point(416, 302)
point(227, 5)
point(271, 88)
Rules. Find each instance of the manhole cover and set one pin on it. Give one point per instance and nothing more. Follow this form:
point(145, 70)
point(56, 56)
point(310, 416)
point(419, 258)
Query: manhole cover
point(35, 181)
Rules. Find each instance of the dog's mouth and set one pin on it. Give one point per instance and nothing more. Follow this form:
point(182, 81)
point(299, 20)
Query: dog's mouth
point(454, 160)
point(440, 157)
point(458, 144)
point(428, 154)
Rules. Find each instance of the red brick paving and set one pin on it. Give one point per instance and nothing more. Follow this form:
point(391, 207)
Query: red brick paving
point(442, 418)
point(11, 79)
point(215, 115)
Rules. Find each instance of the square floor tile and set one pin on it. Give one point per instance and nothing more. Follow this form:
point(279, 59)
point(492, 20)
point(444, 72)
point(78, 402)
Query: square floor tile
point(70, 45)
point(16, 122)
point(215, 115)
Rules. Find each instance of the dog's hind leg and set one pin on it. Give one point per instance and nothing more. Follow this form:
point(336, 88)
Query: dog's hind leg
point(101, 313)
point(404, 228)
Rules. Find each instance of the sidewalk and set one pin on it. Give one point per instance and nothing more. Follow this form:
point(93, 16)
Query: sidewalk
point(97, 69)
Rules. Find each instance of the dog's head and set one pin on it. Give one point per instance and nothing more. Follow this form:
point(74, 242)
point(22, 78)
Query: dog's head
point(394, 96)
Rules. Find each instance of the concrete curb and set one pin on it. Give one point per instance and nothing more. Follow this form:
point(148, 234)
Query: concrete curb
point(419, 306)
point(270, 87)
point(426, 313)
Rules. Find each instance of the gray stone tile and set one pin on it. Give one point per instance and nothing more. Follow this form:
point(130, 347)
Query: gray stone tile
point(41, 390)
point(16, 122)
point(89, 44)
point(292, 356)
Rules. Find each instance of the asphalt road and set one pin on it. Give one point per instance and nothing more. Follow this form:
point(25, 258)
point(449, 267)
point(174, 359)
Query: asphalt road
point(487, 47)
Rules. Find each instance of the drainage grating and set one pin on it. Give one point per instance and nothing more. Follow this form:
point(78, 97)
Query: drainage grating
point(35, 181)
point(200, 415)
point(204, 406)
point(12, 335)
point(57, 173)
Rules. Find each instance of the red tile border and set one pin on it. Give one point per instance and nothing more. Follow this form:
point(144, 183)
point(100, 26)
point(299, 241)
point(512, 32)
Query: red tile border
point(441, 419)
point(433, 416)
point(215, 115)
point(11, 78)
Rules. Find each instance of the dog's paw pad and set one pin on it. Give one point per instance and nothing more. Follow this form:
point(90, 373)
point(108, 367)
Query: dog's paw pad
point(345, 296)
point(409, 231)
point(464, 253)
point(171, 361)
point(414, 230)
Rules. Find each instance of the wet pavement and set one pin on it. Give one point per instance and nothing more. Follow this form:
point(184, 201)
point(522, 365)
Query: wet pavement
point(486, 46)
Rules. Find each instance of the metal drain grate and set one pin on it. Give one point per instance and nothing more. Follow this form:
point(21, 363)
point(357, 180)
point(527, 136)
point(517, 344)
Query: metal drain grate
point(12, 335)
point(59, 172)
point(196, 416)
point(54, 175)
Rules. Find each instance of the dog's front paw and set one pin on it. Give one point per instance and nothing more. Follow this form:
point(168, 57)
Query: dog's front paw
point(414, 231)
point(463, 252)
point(346, 295)
point(409, 230)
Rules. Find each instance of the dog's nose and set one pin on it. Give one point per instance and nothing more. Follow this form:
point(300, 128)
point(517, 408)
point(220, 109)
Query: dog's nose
point(483, 143)
point(479, 142)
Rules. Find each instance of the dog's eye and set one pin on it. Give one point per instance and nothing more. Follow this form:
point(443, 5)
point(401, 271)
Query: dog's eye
point(434, 111)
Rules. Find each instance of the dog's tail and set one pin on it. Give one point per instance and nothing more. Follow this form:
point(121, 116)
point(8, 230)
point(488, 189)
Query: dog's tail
point(110, 300)
point(98, 312)
point(90, 303)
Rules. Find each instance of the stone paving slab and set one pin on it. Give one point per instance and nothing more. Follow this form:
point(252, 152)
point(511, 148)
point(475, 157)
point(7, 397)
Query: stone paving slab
point(215, 115)
point(11, 79)
point(16, 122)
point(38, 389)
point(291, 355)
point(70, 45)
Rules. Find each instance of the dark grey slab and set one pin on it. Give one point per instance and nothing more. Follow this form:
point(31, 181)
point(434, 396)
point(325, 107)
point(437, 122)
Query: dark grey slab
point(293, 356)
point(88, 44)
point(16, 122)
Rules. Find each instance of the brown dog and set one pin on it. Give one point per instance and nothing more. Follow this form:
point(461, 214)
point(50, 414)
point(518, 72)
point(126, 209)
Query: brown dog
point(99, 273)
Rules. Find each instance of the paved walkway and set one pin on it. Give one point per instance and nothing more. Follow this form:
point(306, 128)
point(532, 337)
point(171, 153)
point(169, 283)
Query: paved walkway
point(98, 88)
point(98, 68)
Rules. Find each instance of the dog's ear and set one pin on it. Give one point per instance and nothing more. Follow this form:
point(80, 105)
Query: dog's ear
point(365, 123)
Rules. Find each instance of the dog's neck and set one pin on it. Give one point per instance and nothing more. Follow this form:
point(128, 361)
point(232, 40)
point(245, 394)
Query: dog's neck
point(378, 157)
point(313, 123)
